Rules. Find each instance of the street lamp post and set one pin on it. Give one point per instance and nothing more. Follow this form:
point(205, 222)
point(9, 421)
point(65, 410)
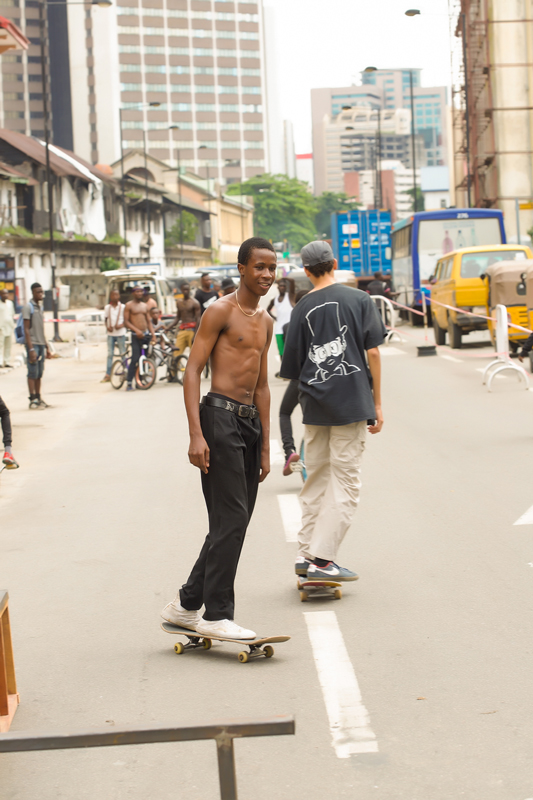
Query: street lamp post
point(146, 198)
point(236, 163)
point(204, 147)
point(178, 158)
point(46, 124)
point(378, 192)
point(413, 144)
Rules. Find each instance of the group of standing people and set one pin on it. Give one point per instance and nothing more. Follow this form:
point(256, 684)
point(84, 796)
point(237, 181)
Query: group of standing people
point(331, 349)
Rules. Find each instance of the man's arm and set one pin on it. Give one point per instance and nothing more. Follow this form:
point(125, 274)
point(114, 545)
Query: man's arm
point(374, 363)
point(213, 321)
point(262, 401)
point(269, 309)
point(526, 347)
point(197, 313)
point(31, 352)
point(292, 290)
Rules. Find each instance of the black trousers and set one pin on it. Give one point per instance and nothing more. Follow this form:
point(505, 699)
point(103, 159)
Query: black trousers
point(136, 349)
point(230, 491)
point(6, 424)
point(288, 404)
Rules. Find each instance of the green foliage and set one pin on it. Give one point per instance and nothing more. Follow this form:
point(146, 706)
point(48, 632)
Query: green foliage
point(284, 208)
point(190, 229)
point(420, 202)
point(16, 230)
point(326, 204)
point(57, 236)
point(107, 264)
point(115, 238)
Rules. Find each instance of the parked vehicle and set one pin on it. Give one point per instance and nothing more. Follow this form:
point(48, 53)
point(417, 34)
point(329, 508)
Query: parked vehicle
point(511, 284)
point(419, 241)
point(158, 288)
point(459, 281)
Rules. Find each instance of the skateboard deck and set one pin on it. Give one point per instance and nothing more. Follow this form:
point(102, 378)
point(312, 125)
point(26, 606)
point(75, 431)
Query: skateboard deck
point(196, 640)
point(309, 588)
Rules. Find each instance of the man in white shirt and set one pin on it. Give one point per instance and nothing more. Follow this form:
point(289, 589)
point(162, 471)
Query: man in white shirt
point(7, 326)
point(116, 330)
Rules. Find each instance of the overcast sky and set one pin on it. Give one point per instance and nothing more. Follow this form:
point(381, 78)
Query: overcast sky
point(322, 43)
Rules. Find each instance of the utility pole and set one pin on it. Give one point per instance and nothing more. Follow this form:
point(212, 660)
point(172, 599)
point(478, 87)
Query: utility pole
point(124, 212)
point(46, 122)
point(467, 121)
point(415, 198)
point(146, 198)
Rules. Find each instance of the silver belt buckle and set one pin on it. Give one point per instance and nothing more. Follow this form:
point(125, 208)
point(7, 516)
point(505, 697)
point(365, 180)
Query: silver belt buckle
point(244, 411)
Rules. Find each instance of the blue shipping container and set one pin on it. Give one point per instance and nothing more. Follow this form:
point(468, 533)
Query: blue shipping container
point(361, 241)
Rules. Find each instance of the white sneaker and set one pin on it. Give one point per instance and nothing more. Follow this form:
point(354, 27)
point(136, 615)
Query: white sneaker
point(224, 628)
point(175, 613)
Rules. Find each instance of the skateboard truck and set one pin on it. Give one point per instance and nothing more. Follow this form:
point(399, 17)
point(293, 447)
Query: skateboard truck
point(254, 651)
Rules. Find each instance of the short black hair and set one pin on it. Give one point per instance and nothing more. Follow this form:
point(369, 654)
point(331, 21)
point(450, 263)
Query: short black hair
point(317, 270)
point(35, 286)
point(298, 296)
point(255, 243)
point(227, 282)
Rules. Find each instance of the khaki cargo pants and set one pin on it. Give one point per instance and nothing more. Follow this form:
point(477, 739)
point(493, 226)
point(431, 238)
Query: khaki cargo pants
point(331, 492)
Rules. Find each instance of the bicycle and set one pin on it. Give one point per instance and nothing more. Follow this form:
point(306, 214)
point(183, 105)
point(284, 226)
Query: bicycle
point(145, 374)
point(164, 355)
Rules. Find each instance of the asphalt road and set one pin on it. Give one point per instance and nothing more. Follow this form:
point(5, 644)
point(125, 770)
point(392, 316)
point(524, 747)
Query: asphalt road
point(101, 524)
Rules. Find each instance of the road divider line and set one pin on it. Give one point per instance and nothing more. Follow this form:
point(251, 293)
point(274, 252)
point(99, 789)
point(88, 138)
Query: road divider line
point(526, 519)
point(291, 515)
point(349, 721)
point(452, 358)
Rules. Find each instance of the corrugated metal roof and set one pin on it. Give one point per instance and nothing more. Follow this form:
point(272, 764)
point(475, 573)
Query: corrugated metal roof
point(37, 152)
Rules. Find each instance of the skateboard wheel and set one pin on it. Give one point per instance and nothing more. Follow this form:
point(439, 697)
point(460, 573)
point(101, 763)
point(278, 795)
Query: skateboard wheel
point(268, 651)
point(207, 644)
point(243, 657)
point(178, 648)
point(303, 596)
point(338, 594)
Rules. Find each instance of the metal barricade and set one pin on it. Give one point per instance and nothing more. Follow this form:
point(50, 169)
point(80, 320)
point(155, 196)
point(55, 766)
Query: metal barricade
point(388, 312)
point(222, 732)
point(502, 362)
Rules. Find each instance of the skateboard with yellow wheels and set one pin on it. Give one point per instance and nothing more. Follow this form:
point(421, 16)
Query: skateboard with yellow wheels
point(309, 589)
point(257, 648)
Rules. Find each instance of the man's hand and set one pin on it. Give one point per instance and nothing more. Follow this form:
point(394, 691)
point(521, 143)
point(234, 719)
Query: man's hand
point(199, 453)
point(33, 356)
point(265, 466)
point(152, 340)
point(520, 357)
point(379, 421)
point(139, 335)
point(48, 353)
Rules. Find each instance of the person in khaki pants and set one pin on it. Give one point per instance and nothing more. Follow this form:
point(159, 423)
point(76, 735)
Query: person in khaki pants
point(331, 330)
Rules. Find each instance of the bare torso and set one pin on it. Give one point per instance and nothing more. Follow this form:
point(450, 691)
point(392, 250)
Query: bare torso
point(236, 356)
point(138, 315)
point(187, 310)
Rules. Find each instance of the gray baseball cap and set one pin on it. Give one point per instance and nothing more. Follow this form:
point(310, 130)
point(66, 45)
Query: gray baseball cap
point(316, 253)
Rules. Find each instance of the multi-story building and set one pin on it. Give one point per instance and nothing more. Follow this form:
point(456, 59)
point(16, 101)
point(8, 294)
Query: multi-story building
point(387, 90)
point(185, 74)
point(429, 105)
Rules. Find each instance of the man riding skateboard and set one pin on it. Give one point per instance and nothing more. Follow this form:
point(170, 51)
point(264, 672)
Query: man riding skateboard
point(229, 439)
point(332, 350)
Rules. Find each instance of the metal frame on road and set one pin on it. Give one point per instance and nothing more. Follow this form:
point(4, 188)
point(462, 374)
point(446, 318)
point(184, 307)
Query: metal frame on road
point(222, 732)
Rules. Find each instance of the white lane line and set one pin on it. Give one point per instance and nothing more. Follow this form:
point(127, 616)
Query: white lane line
point(348, 718)
point(391, 351)
point(291, 515)
point(276, 453)
point(451, 358)
point(526, 519)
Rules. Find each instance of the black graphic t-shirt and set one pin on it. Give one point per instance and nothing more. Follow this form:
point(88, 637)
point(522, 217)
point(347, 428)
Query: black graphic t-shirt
point(205, 298)
point(330, 330)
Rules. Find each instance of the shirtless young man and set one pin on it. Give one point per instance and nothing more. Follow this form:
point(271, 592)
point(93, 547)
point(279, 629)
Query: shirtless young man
point(229, 439)
point(137, 319)
point(188, 313)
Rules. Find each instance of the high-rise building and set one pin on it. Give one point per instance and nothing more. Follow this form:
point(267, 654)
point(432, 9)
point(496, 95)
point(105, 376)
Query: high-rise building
point(186, 74)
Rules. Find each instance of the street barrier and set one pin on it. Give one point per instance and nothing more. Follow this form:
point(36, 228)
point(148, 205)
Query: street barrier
point(222, 732)
point(502, 361)
point(385, 307)
point(9, 698)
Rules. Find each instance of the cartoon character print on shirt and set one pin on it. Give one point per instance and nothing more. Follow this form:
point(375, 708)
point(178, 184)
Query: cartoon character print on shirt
point(329, 354)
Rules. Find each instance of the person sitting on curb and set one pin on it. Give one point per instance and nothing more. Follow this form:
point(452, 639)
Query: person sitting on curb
point(8, 459)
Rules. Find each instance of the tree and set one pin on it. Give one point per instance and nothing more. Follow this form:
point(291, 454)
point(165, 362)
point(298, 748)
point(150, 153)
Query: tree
point(326, 204)
point(283, 208)
point(108, 263)
point(420, 203)
point(190, 229)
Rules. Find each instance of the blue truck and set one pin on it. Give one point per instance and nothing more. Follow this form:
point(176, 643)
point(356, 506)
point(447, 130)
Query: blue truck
point(361, 241)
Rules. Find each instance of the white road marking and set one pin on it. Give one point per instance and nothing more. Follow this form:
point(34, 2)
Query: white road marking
point(451, 358)
point(276, 453)
point(291, 515)
point(526, 519)
point(391, 351)
point(348, 718)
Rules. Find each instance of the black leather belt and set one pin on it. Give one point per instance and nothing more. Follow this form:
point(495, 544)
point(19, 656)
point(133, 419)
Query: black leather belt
point(242, 411)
